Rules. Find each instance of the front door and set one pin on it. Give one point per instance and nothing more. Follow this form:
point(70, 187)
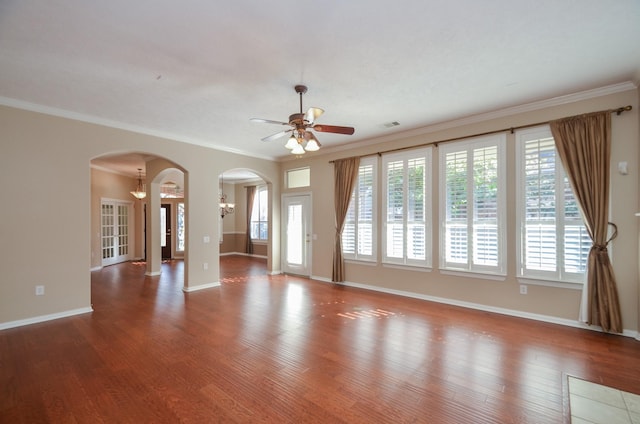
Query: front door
point(115, 223)
point(297, 235)
point(165, 231)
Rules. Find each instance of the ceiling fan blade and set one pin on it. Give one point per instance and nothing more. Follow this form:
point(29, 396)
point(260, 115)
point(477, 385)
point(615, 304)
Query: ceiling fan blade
point(312, 114)
point(276, 135)
point(268, 121)
point(334, 129)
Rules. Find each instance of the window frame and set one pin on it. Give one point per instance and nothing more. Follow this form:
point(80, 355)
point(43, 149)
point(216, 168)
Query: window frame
point(558, 277)
point(469, 146)
point(355, 209)
point(298, 177)
point(425, 153)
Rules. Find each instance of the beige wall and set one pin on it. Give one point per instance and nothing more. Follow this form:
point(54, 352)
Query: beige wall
point(558, 303)
point(47, 232)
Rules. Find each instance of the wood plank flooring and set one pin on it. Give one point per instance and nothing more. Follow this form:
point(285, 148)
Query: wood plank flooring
point(284, 349)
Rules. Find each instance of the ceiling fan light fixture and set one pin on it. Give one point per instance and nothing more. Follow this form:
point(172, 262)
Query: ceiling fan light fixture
point(291, 143)
point(312, 146)
point(298, 150)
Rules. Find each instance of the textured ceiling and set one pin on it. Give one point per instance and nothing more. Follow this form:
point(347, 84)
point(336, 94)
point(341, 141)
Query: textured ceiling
point(197, 71)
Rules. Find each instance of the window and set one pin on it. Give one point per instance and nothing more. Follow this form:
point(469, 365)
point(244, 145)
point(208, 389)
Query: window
point(359, 233)
point(407, 208)
point(553, 243)
point(298, 177)
point(260, 215)
point(472, 202)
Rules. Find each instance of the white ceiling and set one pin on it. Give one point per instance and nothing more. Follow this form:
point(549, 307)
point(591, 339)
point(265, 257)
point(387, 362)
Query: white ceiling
point(198, 70)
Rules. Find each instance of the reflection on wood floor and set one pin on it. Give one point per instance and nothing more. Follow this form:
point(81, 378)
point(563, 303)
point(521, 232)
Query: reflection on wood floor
point(284, 349)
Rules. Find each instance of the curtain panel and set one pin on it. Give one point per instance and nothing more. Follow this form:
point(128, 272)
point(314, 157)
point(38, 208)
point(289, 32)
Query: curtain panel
point(584, 146)
point(345, 173)
point(251, 194)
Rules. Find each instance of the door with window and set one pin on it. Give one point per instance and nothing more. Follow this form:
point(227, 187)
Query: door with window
point(165, 230)
point(115, 228)
point(297, 235)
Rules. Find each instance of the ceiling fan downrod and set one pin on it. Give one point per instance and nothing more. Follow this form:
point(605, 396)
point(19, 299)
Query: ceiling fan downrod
point(301, 89)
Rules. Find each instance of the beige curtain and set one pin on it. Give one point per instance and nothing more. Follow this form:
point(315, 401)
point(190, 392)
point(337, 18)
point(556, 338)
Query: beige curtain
point(345, 172)
point(584, 146)
point(251, 192)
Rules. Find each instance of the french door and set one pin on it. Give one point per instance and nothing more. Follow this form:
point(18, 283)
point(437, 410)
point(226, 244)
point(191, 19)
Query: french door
point(297, 235)
point(115, 228)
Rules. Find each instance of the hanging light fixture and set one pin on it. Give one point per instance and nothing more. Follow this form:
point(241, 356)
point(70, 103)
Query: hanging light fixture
point(225, 208)
point(291, 143)
point(312, 142)
point(139, 193)
point(298, 150)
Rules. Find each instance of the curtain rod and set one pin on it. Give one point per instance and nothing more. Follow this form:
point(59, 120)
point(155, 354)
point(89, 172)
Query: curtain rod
point(617, 111)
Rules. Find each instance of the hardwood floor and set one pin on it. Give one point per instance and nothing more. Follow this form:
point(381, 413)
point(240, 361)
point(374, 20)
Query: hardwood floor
point(284, 349)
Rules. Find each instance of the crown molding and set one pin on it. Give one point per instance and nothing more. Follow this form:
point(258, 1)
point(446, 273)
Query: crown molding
point(487, 116)
point(67, 114)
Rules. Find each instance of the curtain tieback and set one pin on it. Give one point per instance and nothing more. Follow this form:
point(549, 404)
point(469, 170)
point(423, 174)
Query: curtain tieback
point(599, 248)
point(615, 231)
point(602, 248)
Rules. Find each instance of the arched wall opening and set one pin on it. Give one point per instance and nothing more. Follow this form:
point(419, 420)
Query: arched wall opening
point(113, 178)
point(245, 231)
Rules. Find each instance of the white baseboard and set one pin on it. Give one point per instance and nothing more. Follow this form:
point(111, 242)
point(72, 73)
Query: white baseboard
point(200, 287)
point(96, 268)
point(480, 307)
point(243, 254)
point(43, 318)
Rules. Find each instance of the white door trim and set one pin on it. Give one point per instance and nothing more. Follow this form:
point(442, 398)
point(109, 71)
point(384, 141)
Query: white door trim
point(305, 269)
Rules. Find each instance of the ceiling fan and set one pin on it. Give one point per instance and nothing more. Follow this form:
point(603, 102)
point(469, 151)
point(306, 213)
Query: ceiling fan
point(302, 139)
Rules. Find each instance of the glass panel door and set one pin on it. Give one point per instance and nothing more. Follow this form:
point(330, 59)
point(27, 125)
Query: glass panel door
point(297, 235)
point(107, 231)
point(115, 224)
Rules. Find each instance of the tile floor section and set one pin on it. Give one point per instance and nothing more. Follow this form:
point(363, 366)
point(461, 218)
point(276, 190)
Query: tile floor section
point(593, 403)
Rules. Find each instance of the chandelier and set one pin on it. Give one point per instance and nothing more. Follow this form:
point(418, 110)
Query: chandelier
point(139, 192)
point(225, 207)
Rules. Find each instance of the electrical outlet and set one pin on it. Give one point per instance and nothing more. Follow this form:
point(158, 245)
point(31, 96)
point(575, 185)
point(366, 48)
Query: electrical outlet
point(205, 266)
point(523, 289)
point(39, 290)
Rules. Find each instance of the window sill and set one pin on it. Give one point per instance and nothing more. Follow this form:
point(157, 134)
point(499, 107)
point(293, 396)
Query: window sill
point(361, 262)
point(407, 267)
point(259, 241)
point(472, 274)
point(549, 283)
